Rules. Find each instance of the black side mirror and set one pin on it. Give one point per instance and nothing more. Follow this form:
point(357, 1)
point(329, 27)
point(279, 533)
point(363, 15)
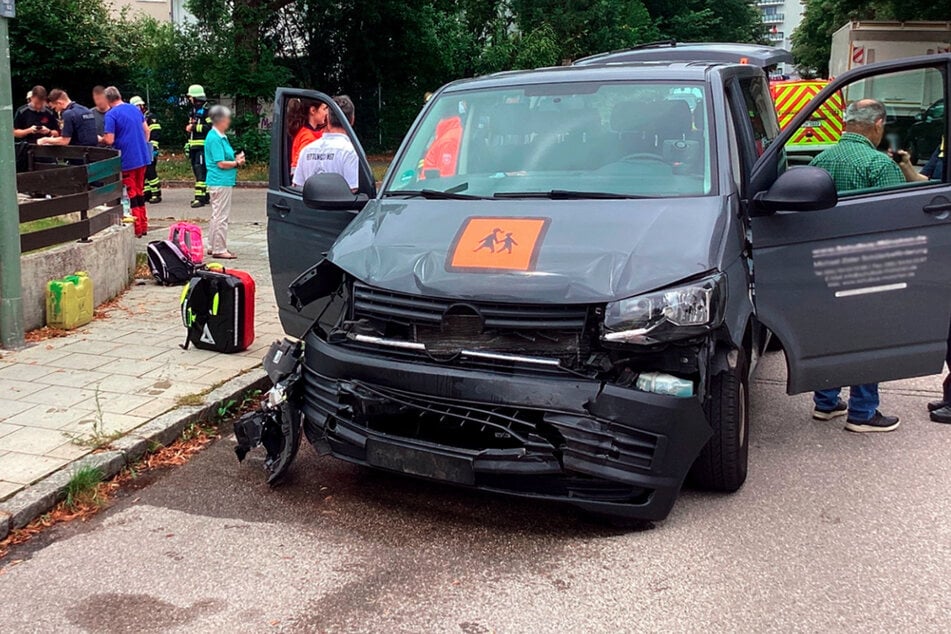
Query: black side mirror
point(331, 191)
point(798, 189)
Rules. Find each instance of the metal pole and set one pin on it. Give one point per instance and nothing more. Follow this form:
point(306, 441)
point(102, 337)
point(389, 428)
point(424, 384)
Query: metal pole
point(11, 291)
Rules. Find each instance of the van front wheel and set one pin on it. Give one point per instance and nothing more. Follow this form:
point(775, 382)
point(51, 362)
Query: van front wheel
point(722, 464)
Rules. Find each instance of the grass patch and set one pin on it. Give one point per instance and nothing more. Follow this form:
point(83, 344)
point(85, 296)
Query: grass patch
point(83, 488)
point(177, 167)
point(42, 223)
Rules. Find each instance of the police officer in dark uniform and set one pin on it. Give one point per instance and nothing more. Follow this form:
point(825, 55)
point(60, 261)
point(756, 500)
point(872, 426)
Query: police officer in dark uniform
point(79, 123)
point(153, 184)
point(35, 121)
point(199, 124)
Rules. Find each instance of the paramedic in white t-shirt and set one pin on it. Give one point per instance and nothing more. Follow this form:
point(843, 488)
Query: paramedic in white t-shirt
point(332, 153)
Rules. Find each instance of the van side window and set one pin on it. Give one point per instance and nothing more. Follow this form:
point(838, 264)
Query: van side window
point(886, 116)
point(762, 112)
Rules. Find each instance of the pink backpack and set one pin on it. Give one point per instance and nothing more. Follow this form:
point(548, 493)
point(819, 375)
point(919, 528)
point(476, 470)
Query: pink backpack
point(187, 237)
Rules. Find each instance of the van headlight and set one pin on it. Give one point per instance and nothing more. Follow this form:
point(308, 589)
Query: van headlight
point(674, 313)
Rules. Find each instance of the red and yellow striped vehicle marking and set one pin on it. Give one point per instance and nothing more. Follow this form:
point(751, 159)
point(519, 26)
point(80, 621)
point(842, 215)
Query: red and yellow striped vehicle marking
point(824, 127)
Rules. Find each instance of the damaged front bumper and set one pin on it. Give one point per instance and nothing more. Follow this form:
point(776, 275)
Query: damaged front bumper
point(604, 448)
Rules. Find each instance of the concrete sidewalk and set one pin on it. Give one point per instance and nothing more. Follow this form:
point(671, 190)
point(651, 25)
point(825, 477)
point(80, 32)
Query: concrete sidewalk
point(61, 398)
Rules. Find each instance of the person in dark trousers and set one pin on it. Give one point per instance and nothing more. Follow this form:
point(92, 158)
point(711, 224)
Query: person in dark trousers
point(940, 411)
point(35, 121)
point(79, 123)
point(127, 131)
point(153, 184)
point(855, 163)
point(199, 124)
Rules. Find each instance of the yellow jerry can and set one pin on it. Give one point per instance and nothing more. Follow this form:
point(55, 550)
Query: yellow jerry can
point(69, 301)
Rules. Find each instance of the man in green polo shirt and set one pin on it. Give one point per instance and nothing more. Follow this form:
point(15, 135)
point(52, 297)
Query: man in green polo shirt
point(855, 164)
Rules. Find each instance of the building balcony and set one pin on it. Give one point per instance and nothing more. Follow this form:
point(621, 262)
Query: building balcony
point(773, 18)
point(770, 3)
point(775, 37)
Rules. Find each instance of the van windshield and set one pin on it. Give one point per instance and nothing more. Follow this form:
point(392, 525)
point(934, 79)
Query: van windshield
point(566, 140)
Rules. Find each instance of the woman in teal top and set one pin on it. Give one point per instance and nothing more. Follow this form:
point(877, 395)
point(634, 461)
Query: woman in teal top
point(222, 165)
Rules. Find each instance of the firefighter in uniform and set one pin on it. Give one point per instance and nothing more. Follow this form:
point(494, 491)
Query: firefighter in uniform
point(199, 124)
point(153, 184)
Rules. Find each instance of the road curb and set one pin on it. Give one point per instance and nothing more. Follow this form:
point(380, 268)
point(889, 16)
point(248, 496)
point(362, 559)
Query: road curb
point(43, 495)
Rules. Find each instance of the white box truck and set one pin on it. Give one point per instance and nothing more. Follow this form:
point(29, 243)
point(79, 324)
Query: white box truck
point(914, 101)
point(858, 43)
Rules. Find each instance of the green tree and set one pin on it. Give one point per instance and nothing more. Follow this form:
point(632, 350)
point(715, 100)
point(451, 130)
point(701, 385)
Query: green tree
point(70, 44)
point(236, 47)
point(812, 41)
point(583, 27)
point(706, 21)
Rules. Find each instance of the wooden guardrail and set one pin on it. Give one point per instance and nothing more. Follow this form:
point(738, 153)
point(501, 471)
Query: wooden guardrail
point(76, 179)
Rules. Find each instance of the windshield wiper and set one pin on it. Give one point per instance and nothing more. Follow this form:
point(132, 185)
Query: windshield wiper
point(566, 194)
point(453, 193)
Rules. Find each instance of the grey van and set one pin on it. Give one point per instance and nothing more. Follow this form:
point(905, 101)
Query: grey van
point(565, 280)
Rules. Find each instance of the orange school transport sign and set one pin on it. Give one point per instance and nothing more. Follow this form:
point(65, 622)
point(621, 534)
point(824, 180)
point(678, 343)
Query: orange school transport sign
point(485, 244)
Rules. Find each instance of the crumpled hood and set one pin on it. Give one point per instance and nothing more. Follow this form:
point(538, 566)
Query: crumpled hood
point(586, 251)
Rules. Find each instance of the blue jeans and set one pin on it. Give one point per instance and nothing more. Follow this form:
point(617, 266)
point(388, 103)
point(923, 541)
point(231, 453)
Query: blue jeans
point(863, 400)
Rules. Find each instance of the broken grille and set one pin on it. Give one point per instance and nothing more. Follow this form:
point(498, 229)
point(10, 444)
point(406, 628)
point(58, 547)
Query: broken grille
point(467, 426)
point(408, 310)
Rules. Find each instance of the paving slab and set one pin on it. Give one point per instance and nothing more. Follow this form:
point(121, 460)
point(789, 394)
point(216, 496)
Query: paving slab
point(49, 416)
point(7, 489)
point(59, 396)
point(23, 372)
point(16, 390)
point(32, 440)
point(9, 409)
point(71, 378)
point(24, 468)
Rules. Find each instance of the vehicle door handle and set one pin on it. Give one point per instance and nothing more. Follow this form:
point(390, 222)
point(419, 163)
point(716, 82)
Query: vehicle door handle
point(937, 208)
point(281, 207)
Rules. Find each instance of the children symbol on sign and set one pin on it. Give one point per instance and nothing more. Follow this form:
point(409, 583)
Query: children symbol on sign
point(508, 242)
point(490, 241)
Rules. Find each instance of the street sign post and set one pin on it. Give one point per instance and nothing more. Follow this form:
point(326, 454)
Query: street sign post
point(11, 290)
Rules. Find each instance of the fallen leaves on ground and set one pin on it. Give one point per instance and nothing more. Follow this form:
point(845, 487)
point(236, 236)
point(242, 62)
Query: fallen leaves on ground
point(143, 272)
point(104, 310)
point(193, 440)
point(44, 333)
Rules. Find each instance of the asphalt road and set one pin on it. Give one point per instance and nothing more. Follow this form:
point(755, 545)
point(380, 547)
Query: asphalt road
point(832, 532)
point(247, 205)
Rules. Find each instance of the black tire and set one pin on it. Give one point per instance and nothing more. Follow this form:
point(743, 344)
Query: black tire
point(722, 463)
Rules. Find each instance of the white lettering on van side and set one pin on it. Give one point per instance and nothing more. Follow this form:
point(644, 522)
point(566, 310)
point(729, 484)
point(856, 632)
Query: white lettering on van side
point(870, 267)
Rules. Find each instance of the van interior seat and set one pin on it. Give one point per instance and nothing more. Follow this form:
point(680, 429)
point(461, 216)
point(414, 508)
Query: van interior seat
point(677, 123)
point(564, 139)
point(636, 124)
